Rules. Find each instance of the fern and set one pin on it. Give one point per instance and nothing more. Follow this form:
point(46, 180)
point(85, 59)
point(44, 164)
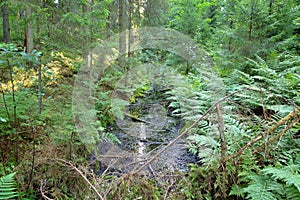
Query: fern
point(271, 183)
point(288, 174)
point(8, 187)
point(292, 193)
point(205, 146)
point(261, 187)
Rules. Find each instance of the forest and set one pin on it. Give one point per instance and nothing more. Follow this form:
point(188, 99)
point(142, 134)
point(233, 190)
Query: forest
point(150, 99)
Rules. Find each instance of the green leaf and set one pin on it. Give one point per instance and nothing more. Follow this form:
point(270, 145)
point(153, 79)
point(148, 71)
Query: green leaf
point(3, 120)
point(8, 187)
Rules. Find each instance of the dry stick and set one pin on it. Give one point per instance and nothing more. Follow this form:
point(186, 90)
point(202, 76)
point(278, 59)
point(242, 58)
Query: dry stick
point(43, 194)
point(223, 149)
point(141, 120)
point(167, 190)
point(269, 131)
point(108, 167)
point(33, 131)
point(15, 110)
point(189, 128)
point(82, 175)
point(278, 136)
point(5, 104)
point(137, 119)
point(222, 135)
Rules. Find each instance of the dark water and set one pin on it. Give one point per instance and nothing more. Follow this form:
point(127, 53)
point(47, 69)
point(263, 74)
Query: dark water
point(140, 141)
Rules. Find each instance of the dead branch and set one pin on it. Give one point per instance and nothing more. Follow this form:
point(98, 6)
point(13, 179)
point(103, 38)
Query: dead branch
point(66, 163)
point(137, 119)
point(222, 135)
point(223, 149)
point(284, 120)
point(141, 120)
point(268, 132)
point(43, 194)
point(278, 136)
point(168, 189)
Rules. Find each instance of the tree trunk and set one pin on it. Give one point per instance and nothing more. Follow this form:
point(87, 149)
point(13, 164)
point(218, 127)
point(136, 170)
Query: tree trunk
point(123, 21)
point(251, 23)
point(270, 7)
point(40, 87)
point(130, 9)
point(28, 33)
point(6, 27)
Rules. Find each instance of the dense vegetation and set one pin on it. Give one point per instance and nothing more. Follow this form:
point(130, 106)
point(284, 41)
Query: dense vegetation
point(245, 133)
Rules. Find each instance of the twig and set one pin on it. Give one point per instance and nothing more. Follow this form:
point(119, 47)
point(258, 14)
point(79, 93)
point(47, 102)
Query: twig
point(269, 131)
point(221, 132)
point(141, 120)
point(223, 150)
point(189, 128)
point(33, 158)
point(137, 119)
point(82, 175)
point(5, 103)
point(43, 194)
point(167, 190)
point(279, 135)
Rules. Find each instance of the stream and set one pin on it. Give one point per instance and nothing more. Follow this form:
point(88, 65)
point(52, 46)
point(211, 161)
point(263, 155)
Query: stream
point(142, 139)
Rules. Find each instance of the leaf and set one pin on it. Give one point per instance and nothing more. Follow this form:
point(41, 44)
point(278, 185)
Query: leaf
point(8, 187)
point(287, 174)
point(262, 187)
point(3, 120)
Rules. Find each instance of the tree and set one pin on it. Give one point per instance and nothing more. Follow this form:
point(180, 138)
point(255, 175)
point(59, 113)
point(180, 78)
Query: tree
point(28, 31)
point(6, 27)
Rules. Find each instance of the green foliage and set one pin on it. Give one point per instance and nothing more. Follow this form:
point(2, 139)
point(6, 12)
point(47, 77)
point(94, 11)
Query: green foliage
point(288, 174)
point(191, 17)
point(261, 187)
point(271, 183)
point(8, 187)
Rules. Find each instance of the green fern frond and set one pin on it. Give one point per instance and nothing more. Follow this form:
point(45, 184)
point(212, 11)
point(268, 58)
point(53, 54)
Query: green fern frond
point(261, 187)
point(289, 174)
point(8, 187)
point(205, 147)
point(292, 193)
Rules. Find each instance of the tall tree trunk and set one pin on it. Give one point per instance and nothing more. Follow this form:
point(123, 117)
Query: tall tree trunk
point(28, 33)
point(40, 88)
point(270, 7)
point(130, 9)
point(123, 21)
point(6, 27)
point(91, 8)
point(85, 37)
point(110, 20)
point(251, 23)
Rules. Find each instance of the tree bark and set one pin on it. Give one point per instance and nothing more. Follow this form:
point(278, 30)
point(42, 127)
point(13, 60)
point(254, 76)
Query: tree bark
point(6, 27)
point(28, 33)
point(270, 7)
point(251, 23)
point(123, 21)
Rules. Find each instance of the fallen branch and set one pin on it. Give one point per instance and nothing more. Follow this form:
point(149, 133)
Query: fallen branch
point(43, 194)
point(222, 135)
point(141, 120)
point(223, 150)
point(278, 136)
point(268, 132)
point(63, 162)
point(137, 119)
